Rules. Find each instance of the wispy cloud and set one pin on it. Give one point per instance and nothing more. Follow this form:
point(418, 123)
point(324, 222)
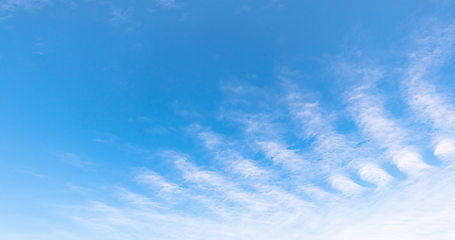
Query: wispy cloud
point(288, 173)
point(368, 110)
point(157, 182)
point(12, 5)
point(74, 159)
point(8, 7)
point(345, 185)
point(338, 153)
point(434, 46)
point(370, 172)
point(120, 15)
point(169, 4)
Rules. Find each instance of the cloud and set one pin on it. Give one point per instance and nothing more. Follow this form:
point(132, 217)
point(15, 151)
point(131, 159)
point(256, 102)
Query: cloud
point(8, 7)
point(409, 160)
point(281, 155)
point(375, 122)
point(136, 199)
point(345, 185)
point(289, 173)
point(155, 181)
point(434, 46)
point(248, 169)
point(335, 149)
point(372, 173)
point(12, 5)
point(120, 15)
point(338, 152)
point(415, 212)
point(168, 4)
point(420, 211)
point(74, 160)
point(445, 148)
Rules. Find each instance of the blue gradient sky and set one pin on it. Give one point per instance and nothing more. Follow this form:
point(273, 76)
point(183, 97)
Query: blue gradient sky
point(205, 120)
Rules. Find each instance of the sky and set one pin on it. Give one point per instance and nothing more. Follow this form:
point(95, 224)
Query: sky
point(227, 120)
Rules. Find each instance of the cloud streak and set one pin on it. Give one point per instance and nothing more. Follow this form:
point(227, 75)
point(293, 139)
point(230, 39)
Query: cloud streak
point(289, 173)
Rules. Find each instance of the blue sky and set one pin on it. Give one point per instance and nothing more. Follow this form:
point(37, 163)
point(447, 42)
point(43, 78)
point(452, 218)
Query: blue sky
point(169, 119)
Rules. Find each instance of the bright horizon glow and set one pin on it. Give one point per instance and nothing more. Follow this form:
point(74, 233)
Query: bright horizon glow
point(173, 120)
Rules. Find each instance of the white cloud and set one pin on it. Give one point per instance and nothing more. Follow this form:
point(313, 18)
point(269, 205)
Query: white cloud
point(368, 110)
point(211, 140)
point(136, 199)
point(374, 174)
point(436, 109)
point(248, 198)
point(424, 210)
point(74, 159)
point(248, 169)
point(445, 148)
point(156, 181)
point(281, 155)
point(409, 212)
point(12, 5)
point(168, 3)
point(318, 194)
point(345, 185)
point(337, 151)
point(120, 15)
point(409, 160)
